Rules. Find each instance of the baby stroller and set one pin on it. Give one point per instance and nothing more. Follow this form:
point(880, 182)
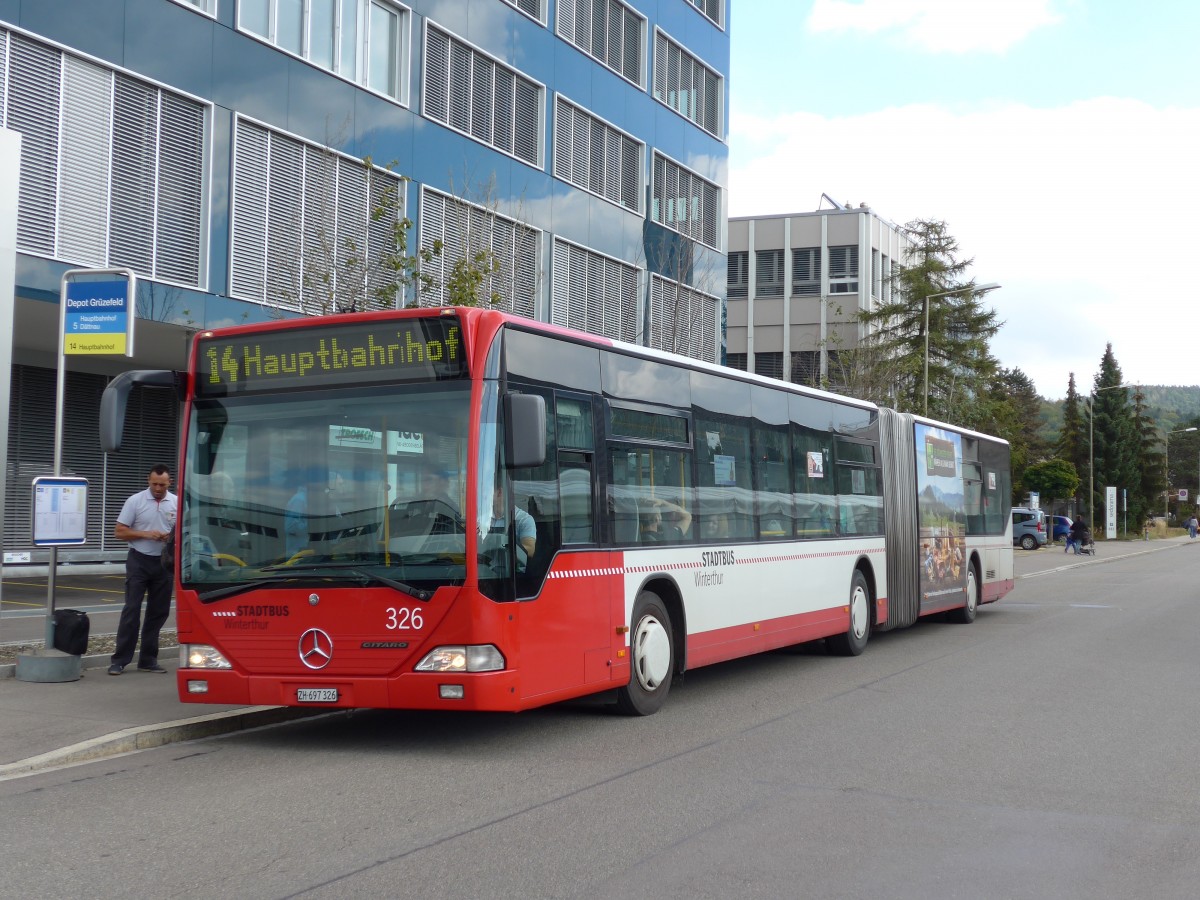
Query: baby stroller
point(1086, 544)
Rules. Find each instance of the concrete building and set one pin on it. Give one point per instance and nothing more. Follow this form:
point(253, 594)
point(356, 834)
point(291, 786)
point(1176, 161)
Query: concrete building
point(796, 283)
point(214, 146)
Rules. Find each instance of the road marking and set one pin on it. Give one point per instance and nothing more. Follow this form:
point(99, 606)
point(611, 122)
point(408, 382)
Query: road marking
point(62, 587)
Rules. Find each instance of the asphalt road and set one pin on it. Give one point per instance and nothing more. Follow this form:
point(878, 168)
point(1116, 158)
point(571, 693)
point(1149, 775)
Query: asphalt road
point(1047, 750)
point(23, 602)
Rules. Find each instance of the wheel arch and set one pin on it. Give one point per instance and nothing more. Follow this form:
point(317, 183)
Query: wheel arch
point(863, 565)
point(668, 591)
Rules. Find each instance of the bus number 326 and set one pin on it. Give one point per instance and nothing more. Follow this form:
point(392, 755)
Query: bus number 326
point(404, 618)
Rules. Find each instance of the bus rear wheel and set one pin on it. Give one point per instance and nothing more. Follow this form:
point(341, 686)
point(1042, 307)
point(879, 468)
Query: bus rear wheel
point(651, 657)
point(854, 641)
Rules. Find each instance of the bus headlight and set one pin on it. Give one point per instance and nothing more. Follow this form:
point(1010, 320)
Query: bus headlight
point(474, 658)
point(202, 656)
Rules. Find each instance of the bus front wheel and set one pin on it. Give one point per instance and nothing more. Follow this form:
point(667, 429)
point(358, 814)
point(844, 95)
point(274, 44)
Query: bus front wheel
point(651, 657)
point(966, 614)
point(854, 641)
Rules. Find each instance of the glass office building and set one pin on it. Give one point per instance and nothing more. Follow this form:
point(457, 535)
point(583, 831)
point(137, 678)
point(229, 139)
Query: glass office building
point(221, 149)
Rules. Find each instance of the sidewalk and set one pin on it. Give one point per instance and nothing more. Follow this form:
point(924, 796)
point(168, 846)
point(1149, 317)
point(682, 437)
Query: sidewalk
point(45, 725)
point(97, 716)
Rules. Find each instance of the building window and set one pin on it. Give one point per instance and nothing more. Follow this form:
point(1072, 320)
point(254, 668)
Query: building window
point(843, 270)
point(606, 30)
point(481, 98)
point(687, 85)
point(532, 8)
point(769, 365)
point(310, 225)
point(596, 156)
point(806, 368)
point(736, 361)
point(685, 202)
point(768, 273)
point(593, 293)
point(806, 271)
point(739, 275)
point(205, 6)
point(467, 230)
point(113, 168)
point(711, 9)
point(364, 41)
point(683, 320)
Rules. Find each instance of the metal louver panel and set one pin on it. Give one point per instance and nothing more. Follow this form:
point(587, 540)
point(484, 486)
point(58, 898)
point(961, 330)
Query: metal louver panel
point(483, 72)
point(135, 152)
point(435, 91)
point(564, 123)
point(526, 267)
point(560, 284)
point(527, 126)
point(4, 38)
point(460, 87)
point(353, 211)
point(319, 213)
point(432, 230)
point(564, 24)
point(284, 223)
point(33, 111)
point(504, 104)
point(180, 190)
point(387, 209)
point(249, 212)
point(83, 178)
point(151, 416)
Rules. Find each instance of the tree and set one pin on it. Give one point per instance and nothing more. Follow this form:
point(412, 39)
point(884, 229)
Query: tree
point(1054, 479)
point(1072, 444)
point(1149, 467)
point(1115, 452)
point(349, 264)
point(961, 366)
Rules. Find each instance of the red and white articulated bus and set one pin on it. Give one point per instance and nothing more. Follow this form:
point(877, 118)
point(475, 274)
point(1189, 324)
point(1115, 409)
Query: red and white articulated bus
point(462, 509)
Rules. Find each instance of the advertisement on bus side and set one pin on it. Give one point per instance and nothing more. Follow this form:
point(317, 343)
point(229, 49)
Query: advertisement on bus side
point(941, 512)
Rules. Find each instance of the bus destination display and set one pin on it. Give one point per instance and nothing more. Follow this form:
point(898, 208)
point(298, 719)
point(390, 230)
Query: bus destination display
point(400, 350)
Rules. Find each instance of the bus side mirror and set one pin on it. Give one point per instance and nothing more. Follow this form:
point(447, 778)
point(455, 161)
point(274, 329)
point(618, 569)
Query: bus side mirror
point(525, 436)
point(116, 398)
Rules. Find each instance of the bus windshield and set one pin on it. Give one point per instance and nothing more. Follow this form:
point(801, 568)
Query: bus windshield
point(361, 485)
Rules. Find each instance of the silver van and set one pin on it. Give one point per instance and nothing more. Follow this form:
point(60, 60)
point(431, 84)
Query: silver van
point(1029, 528)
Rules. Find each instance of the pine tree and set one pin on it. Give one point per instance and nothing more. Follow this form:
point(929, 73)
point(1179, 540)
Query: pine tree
point(1114, 438)
point(961, 366)
point(1151, 466)
point(1072, 443)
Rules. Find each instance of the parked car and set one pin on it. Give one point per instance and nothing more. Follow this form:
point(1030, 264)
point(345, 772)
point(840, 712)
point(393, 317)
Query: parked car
point(1029, 528)
point(1060, 527)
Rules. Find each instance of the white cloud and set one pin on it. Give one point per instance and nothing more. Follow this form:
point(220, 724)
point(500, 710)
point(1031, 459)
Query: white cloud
point(1082, 212)
point(939, 26)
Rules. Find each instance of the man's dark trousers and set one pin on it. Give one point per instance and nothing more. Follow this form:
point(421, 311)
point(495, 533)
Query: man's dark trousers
point(144, 577)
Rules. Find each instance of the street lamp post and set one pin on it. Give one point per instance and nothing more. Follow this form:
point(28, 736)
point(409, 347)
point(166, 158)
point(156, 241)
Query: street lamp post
point(980, 289)
point(1167, 469)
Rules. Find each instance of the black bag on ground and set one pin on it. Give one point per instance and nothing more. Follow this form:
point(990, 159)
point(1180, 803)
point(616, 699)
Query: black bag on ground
point(71, 627)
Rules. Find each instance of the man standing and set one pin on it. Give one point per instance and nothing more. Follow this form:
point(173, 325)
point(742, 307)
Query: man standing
point(147, 521)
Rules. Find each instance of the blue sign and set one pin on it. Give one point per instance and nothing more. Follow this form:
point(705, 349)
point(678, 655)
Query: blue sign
point(97, 318)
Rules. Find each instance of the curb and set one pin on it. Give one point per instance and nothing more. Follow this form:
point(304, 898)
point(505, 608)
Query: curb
point(146, 737)
point(99, 661)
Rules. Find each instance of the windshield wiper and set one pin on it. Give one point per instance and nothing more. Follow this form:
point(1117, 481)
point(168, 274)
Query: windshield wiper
point(242, 587)
point(354, 568)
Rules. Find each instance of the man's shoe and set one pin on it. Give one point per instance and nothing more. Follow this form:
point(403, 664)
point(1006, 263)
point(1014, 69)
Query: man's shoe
point(153, 668)
point(116, 669)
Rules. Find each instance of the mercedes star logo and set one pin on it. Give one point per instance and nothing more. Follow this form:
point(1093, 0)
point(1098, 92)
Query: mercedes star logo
point(316, 648)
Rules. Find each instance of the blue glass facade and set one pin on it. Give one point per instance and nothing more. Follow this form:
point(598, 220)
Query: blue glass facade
point(239, 74)
point(642, 187)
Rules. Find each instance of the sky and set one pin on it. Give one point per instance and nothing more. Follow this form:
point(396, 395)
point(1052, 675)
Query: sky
point(1056, 138)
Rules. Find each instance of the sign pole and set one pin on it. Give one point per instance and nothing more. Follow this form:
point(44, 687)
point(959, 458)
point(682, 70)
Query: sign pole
point(95, 317)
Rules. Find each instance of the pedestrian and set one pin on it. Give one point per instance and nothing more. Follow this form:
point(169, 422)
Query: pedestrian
point(1192, 525)
point(147, 523)
point(1077, 536)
